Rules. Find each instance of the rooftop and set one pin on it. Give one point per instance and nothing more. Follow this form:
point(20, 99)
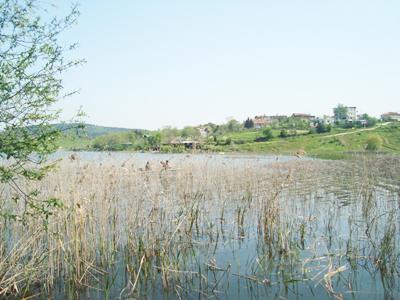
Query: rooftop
point(391, 113)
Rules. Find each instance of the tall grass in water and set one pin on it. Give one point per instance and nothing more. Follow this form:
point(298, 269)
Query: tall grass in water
point(197, 228)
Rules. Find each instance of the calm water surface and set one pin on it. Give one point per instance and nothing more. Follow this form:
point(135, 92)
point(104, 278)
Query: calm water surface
point(267, 227)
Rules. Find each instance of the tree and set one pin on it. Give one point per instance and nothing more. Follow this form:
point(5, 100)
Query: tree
point(248, 123)
point(371, 121)
point(340, 112)
point(294, 123)
point(190, 132)
point(168, 134)
point(32, 60)
point(154, 140)
point(233, 125)
point(267, 133)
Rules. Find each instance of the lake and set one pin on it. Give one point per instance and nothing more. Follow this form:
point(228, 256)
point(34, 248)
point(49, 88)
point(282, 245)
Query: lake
point(214, 226)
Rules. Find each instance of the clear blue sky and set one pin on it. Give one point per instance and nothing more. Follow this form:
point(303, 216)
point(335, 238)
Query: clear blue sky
point(157, 63)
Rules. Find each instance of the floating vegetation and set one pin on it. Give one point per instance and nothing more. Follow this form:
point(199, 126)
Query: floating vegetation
point(209, 227)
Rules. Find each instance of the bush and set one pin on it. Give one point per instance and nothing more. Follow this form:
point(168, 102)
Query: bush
point(312, 131)
point(283, 133)
point(374, 143)
point(322, 128)
point(261, 139)
point(371, 122)
point(224, 141)
point(267, 133)
point(240, 142)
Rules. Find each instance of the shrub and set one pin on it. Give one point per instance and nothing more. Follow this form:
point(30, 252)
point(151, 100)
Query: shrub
point(312, 131)
point(261, 139)
point(267, 133)
point(224, 141)
point(283, 133)
point(374, 143)
point(322, 128)
point(240, 142)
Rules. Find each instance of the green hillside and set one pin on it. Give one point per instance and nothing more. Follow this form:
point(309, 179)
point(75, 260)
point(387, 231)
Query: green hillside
point(89, 130)
point(335, 144)
point(81, 137)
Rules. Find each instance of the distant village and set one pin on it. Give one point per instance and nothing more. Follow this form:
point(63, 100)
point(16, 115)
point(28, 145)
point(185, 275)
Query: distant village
point(342, 116)
point(264, 126)
point(349, 115)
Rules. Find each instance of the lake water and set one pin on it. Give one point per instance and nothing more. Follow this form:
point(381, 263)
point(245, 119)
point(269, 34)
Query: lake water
point(230, 226)
point(140, 158)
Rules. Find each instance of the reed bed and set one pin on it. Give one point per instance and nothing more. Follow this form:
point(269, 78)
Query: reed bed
point(209, 228)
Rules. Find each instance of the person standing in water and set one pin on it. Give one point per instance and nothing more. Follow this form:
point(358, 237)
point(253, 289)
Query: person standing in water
point(147, 167)
point(165, 165)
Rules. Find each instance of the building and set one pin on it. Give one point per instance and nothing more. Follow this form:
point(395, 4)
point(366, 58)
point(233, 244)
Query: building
point(188, 144)
point(261, 121)
point(278, 118)
point(350, 116)
point(390, 116)
point(363, 122)
point(351, 113)
point(302, 116)
point(326, 120)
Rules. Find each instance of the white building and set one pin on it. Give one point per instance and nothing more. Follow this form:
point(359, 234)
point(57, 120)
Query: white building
point(328, 120)
point(351, 113)
point(390, 116)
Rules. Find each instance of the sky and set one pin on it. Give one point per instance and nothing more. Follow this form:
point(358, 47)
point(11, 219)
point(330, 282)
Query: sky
point(161, 63)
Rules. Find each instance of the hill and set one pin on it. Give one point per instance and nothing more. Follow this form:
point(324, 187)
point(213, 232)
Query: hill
point(81, 136)
point(336, 144)
point(90, 130)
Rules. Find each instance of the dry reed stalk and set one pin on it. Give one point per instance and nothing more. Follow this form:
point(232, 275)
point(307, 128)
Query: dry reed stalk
point(153, 220)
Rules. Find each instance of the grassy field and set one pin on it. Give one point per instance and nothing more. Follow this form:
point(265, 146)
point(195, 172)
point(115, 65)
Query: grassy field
point(335, 144)
point(74, 142)
point(250, 136)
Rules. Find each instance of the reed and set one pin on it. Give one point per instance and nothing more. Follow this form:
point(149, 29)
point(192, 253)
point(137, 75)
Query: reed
point(197, 228)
